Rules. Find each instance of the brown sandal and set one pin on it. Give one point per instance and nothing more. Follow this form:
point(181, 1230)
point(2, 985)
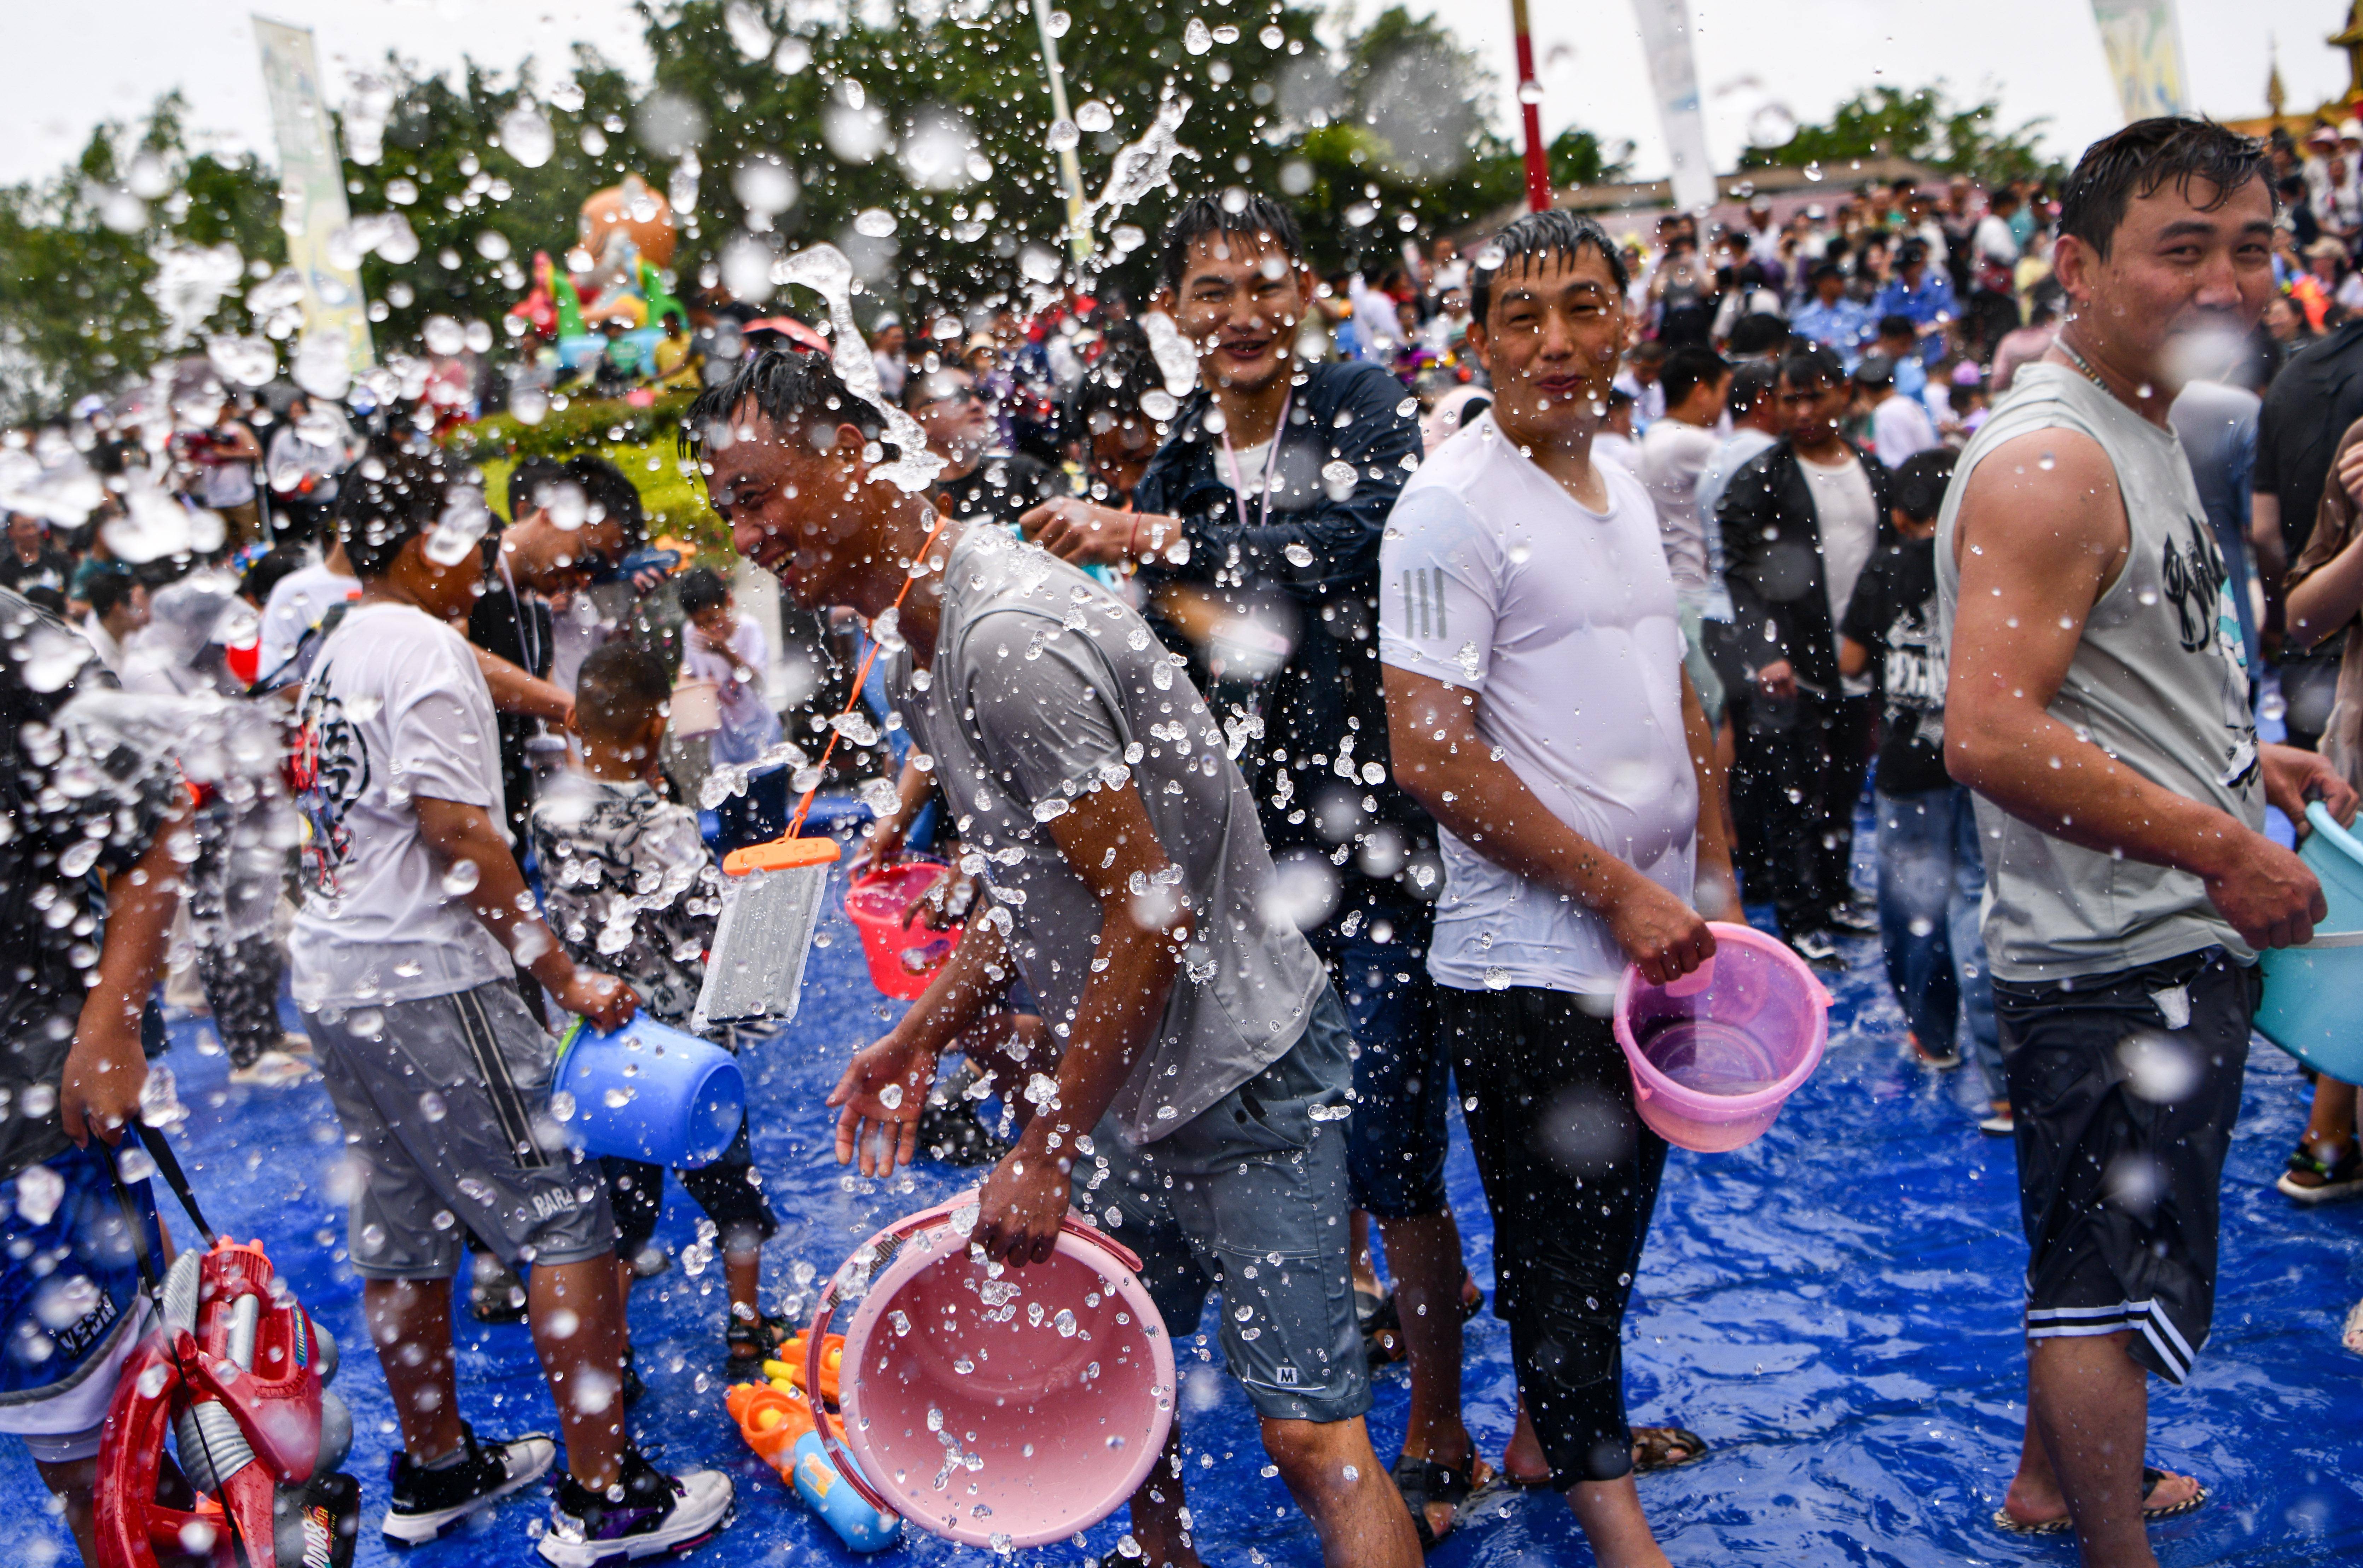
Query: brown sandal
point(1665, 1447)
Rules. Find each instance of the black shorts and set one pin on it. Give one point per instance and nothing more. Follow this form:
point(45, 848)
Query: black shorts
point(2124, 1087)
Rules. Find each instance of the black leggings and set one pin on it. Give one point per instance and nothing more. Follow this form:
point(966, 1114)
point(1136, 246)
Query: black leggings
point(1570, 1173)
point(728, 1191)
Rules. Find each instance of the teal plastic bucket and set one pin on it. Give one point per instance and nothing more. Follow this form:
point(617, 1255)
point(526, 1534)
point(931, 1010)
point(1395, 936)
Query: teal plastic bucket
point(647, 1092)
point(2311, 992)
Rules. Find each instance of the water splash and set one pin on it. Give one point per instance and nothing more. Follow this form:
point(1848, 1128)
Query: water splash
point(1145, 165)
point(824, 270)
point(189, 283)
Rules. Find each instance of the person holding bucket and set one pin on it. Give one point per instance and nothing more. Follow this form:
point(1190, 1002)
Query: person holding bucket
point(2098, 704)
point(1538, 707)
point(629, 883)
point(414, 912)
point(1188, 1094)
point(2324, 593)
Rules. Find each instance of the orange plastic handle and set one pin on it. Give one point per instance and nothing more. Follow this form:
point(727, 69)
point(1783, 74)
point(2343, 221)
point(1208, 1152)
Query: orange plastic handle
point(781, 854)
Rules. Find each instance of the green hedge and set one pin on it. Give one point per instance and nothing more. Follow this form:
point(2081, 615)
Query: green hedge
point(585, 424)
point(638, 440)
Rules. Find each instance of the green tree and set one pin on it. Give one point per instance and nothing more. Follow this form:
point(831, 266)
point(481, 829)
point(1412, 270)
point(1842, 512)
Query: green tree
point(938, 116)
point(1922, 125)
point(77, 253)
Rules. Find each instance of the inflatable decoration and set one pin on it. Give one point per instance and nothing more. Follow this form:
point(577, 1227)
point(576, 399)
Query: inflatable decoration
point(610, 299)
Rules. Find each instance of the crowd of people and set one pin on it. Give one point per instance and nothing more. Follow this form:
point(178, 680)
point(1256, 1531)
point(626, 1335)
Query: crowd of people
point(1300, 746)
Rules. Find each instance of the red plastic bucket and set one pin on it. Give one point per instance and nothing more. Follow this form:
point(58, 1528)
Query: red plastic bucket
point(1002, 1408)
point(904, 957)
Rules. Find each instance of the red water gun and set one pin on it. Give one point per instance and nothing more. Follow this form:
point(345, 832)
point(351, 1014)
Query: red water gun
point(235, 1374)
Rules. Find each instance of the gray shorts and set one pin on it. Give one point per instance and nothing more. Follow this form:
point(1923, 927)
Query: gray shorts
point(444, 1106)
point(1249, 1198)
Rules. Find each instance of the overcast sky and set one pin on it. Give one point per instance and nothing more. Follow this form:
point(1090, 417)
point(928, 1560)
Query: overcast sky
point(76, 65)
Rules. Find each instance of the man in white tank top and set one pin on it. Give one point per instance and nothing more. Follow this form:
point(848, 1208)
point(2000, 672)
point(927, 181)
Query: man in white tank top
point(2097, 705)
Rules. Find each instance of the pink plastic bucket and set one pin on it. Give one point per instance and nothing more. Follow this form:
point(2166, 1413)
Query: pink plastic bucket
point(1003, 1413)
point(1717, 1053)
point(902, 958)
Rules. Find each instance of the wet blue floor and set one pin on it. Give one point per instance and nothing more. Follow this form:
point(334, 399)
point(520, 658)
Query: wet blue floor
point(1834, 1307)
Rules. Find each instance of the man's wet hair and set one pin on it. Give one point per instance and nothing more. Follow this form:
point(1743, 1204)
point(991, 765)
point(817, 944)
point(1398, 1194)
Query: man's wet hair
point(789, 389)
point(1689, 366)
point(1898, 326)
point(618, 687)
point(1242, 213)
point(1757, 333)
point(108, 589)
point(702, 589)
point(2147, 157)
point(1920, 484)
point(1111, 391)
point(608, 493)
point(1554, 234)
point(391, 495)
point(1752, 384)
point(1811, 364)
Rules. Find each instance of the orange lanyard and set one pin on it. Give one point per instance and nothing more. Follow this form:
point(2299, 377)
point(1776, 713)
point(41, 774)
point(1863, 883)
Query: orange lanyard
point(862, 678)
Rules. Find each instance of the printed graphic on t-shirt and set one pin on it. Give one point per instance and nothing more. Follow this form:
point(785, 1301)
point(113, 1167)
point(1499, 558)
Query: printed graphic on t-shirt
point(328, 770)
point(2199, 584)
point(1914, 674)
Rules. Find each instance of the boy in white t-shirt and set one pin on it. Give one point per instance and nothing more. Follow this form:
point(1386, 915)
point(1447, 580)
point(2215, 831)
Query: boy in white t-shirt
point(1536, 704)
point(402, 953)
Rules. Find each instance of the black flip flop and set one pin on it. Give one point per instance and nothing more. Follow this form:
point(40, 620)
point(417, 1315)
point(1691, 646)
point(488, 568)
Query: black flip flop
point(2151, 1477)
point(1423, 1481)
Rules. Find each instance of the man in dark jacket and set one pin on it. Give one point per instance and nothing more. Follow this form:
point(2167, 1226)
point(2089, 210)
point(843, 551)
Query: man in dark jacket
point(570, 523)
point(1255, 531)
point(1798, 522)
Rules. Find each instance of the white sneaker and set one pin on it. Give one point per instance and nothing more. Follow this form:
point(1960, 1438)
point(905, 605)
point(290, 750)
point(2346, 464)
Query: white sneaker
point(428, 1502)
point(658, 1515)
point(272, 1070)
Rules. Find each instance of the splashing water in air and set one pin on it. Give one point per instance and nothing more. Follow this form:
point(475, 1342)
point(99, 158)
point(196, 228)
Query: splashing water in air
point(824, 270)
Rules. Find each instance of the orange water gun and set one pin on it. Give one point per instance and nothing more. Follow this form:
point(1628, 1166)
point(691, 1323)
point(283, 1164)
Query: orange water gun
point(797, 1352)
point(778, 1425)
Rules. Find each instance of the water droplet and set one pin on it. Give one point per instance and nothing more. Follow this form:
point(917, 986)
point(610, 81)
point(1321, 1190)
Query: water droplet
point(1094, 116)
point(1195, 38)
point(460, 879)
point(891, 1095)
point(874, 223)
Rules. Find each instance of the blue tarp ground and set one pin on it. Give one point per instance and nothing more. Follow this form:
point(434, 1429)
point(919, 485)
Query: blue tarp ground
point(1834, 1307)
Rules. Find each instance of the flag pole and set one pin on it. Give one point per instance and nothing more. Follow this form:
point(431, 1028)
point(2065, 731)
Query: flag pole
point(1071, 171)
point(1539, 191)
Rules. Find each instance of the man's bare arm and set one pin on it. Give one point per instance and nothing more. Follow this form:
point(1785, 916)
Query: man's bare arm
point(98, 1093)
point(519, 691)
point(884, 1136)
point(1450, 768)
point(1107, 838)
point(459, 832)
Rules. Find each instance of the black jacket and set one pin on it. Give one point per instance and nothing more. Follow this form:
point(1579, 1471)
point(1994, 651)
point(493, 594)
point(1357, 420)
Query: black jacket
point(1773, 540)
point(1309, 570)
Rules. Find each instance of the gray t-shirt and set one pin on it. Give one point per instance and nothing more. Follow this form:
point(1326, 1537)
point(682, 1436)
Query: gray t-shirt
point(1045, 687)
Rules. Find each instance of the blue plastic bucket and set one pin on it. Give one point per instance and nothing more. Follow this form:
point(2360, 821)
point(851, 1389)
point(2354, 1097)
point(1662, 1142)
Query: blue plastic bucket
point(647, 1092)
point(2309, 1008)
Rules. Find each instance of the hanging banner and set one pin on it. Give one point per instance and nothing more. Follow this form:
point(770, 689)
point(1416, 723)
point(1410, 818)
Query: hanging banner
point(2144, 49)
point(1673, 73)
point(312, 193)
